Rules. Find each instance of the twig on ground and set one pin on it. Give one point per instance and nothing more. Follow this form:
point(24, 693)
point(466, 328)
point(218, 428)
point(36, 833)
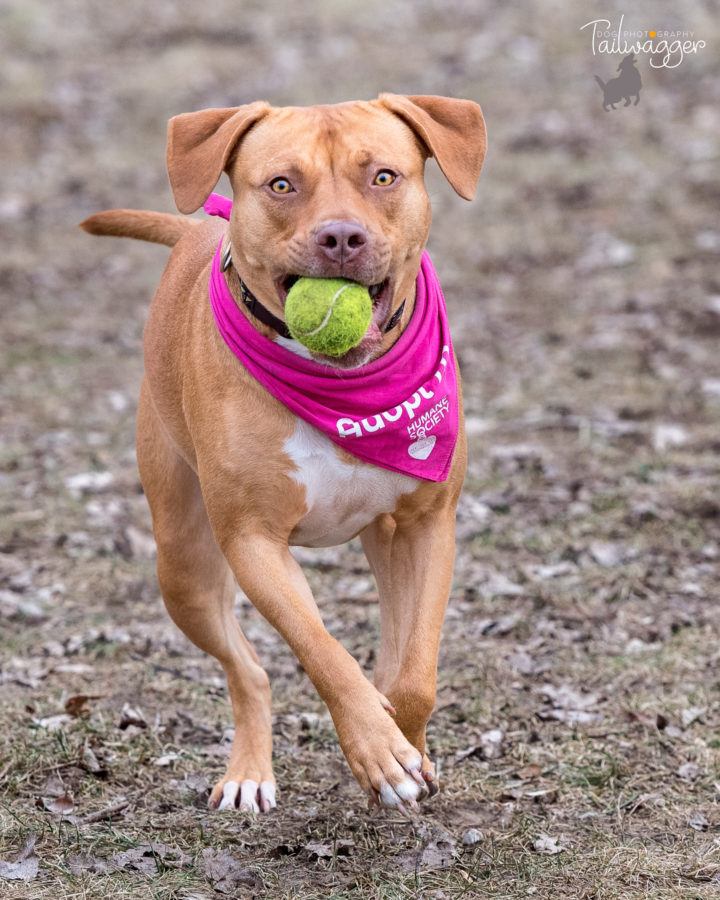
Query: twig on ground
point(106, 813)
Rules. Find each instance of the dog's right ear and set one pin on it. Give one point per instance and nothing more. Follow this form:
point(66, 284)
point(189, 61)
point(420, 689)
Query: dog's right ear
point(199, 146)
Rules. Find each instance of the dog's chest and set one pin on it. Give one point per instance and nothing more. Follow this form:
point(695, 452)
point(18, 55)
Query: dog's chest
point(341, 498)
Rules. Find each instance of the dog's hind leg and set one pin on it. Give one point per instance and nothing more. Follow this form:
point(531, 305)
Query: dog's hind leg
point(199, 592)
point(637, 98)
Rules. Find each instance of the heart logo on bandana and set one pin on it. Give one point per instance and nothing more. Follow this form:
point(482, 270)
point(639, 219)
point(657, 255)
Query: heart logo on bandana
point(423, 447)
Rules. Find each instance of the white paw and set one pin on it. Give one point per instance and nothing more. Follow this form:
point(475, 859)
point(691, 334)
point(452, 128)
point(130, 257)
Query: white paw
point(401, 794)
point(249, 796)
point(267, 796)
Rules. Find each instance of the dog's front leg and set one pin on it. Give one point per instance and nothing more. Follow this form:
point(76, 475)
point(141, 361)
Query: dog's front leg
point(383, 761)
point(411, 556)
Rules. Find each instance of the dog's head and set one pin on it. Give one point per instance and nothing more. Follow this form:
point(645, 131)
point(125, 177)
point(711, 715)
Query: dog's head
point(329, 191)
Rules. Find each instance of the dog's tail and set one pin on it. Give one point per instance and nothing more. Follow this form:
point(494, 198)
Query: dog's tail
point(600, 82)
point(141, 224)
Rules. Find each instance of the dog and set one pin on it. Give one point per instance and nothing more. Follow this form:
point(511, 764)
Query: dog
point(626, 85)
point(234, 477)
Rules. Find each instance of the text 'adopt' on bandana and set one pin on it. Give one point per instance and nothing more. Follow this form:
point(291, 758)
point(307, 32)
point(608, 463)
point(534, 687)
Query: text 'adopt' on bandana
point(399, 411)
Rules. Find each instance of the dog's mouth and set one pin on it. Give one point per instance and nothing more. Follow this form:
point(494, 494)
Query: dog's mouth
point(381, 295)
point(377, 291)
point(283, 284)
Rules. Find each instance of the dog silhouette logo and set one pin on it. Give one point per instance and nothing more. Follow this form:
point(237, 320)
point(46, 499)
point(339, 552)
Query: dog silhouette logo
point(625, 86)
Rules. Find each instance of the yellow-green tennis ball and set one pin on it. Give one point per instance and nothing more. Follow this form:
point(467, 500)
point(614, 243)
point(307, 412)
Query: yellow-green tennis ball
point(328, 315)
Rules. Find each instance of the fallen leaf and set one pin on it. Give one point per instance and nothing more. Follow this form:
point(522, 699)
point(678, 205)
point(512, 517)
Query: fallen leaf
point(548, 845)
point(90, 761)
point(437, 851)
point(73, 668)
point(499, 585)
point(138, 544)
point(689, 771)
point(521, 791)
point(77, 705)
point(569, 705)
point(490, 746)
point(166, 760)
point(566, 697)
point(542, 795)
point(692, 714)
point(60, 806)
point(572, 716)
point(23, 865)
point(88, 482)
point(607, 554)
point(698, 822)
point(523, 663)
point(23, 870)
point(53, 786)
point(471, 837)
point(533, 770)
point(143, 858)
point(666, 435)
point(226, 874)
point(491, 743)
point(78, 863)
point(53, 723)
point(328, 849)
point(542, 573)
point(131, 715)
point(132, 731)
point(472, 750)
point(197, 783)
point(136, 859)
point(283, 850)
point(648, 718)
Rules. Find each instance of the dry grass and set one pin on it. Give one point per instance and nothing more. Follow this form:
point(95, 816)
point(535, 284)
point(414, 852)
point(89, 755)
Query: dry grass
point(583, 626)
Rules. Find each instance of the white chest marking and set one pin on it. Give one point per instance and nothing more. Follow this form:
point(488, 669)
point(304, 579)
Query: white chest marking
point(340, 498)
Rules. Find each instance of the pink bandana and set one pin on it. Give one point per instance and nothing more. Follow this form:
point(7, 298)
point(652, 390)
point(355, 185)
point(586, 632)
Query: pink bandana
point(399, 411)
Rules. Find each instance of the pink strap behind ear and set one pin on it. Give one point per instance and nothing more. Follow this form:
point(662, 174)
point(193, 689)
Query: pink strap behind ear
point(217, 205)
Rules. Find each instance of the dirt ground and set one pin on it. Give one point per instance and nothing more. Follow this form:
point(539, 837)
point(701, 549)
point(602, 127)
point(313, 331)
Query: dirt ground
point(576, 727)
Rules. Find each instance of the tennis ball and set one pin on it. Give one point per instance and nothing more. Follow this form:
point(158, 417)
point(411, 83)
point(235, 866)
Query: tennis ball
point(328, 315)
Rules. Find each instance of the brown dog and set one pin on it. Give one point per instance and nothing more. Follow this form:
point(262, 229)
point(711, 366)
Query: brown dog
point(233, 477)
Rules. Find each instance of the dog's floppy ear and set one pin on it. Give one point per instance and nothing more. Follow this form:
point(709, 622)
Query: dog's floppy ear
point(453, 131)
point(199, 145)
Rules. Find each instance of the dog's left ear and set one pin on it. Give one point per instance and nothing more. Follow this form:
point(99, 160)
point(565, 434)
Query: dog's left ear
point(453, 131)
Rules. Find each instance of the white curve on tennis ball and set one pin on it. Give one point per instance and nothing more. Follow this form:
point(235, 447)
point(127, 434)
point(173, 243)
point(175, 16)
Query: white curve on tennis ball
point(328, 313)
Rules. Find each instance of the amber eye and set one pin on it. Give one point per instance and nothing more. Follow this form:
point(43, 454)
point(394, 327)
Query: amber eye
point(384, 178)
point(281, 186)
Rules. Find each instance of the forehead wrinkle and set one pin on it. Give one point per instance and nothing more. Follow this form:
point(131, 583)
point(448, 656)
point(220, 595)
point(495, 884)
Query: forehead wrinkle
point(318, 140)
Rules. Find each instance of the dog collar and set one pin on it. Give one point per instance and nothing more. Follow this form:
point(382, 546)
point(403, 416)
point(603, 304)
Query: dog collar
point(263, 314)
point(251, 302)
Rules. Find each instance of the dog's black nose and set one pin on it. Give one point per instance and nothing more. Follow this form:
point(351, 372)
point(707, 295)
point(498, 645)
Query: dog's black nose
point(341, 241)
